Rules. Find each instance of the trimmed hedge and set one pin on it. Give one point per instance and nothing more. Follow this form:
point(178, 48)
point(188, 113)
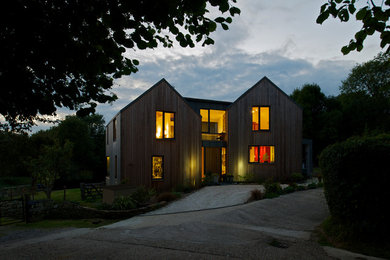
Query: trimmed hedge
point(356, 182)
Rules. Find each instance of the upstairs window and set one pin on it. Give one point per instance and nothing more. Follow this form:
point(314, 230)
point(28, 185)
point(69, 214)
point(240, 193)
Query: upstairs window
point(213, 121)
point(261, 154)
point(165, 125)
point(260, 118)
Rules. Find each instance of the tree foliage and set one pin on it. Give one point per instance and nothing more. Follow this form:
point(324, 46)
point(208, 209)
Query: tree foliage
point(365, 97)
point(51, 162)
point(374, 18)
point(67, 53)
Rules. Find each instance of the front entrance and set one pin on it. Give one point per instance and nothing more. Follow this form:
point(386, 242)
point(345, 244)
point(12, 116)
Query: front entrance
point(213, 160)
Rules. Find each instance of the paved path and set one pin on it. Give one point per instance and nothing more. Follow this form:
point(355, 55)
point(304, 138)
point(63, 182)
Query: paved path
point(267, 229)
point(211, 197)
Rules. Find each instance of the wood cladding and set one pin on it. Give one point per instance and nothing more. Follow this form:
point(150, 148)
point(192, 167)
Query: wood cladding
point(182, 154)
point(285, 133)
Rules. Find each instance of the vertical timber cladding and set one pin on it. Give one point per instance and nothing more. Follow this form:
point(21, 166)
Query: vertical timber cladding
point(285, 133)
point(182, 155)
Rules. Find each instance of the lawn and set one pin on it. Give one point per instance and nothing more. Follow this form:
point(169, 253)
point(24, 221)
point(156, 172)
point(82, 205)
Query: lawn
point(72, 195)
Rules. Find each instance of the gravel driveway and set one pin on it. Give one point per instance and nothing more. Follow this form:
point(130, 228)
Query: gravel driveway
point(277, 228)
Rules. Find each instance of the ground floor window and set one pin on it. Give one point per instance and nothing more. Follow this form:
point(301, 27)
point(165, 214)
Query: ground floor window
point(157, 167)
point(261, 154)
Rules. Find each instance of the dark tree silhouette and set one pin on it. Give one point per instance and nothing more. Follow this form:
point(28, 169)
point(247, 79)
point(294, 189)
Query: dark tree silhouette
point(56, 53)
point(374, 16)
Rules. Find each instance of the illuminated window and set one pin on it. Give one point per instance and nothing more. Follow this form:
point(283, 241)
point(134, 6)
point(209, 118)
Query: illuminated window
point(165, 125)
point(260, 118)
point(157, 167)
point(108, 166)
point(261, 154)
point(223, 160)
point(213, 121)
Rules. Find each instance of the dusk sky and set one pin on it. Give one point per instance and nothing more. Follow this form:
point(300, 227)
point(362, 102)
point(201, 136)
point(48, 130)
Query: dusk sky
point(278, 39)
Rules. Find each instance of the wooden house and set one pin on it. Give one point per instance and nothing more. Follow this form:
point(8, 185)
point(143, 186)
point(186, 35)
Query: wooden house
point(162, 139)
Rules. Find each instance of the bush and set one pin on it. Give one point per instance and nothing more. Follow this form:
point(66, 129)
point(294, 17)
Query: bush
point(356, 175)
point(256, 195)
point(168, 196)
point(142, 195)
point(297, 177)
point(124, 203)
point(312, 186)
point(272, 189)
point(289, 189)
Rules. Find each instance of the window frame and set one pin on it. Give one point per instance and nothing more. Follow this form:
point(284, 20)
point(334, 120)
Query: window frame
point(208, 121)
point(258, 158)
point(114, 127)
point(162, 166)
point(163, 122)
point(259, 116)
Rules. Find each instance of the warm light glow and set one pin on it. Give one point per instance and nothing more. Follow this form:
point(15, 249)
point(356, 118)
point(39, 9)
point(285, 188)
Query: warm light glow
point(165, 125)
point(262, 154)
point(264, 118)
point(254, 154)
point(223, 160)
point(169, 119)
point(159, 123)
point(213, 121)
point(255, 118)
point(157, 167)
point(108, 165)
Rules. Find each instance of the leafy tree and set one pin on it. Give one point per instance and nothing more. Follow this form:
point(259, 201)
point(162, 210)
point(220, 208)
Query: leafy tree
point(321, 116)
point(52, 162)
point(374, 17)
point(365, 97)
point(14, 151)
point(67, 53)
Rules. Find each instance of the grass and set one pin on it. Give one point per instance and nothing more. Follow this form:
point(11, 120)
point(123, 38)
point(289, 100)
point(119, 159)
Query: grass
point(72, 195)
point(331, 233)
point(14, 181)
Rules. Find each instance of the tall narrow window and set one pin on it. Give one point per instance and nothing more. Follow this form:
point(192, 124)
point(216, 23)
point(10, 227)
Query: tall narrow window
point(108, 165)
point(107, 135)
point(157, 167)
point(261, 154)
point(223, 160)
point(260, 118)
point(116, 167)
point(114, 129)
point(165, 125)
point(255, 118)
point(204, 113)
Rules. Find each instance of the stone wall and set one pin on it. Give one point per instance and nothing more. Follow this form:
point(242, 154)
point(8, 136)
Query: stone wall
point(12, 208)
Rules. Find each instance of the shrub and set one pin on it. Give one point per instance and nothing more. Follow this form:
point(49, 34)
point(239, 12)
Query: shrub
point(300, 188)
point(289, 189)
point(256, 195)
point(312, 186)
point(272, 189)
point(168, 196)
point(297, 177)
point(356, 175)
point(142, 195)
point(124, 203)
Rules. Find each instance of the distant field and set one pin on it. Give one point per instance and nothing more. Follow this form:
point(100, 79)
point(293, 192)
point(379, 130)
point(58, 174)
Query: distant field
point(14, 181)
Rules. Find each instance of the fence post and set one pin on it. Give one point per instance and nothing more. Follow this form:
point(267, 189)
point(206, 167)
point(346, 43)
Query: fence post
point(82, 191)
point(26, 208)
point(64, 192)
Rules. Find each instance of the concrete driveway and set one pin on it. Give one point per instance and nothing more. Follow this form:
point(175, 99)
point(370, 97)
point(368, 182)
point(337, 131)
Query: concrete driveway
point(277, 228)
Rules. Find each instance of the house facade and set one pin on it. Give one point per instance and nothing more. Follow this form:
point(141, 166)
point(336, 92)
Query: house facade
point(162, 139)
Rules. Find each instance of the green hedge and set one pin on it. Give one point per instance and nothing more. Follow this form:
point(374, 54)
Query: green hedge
point(356, 182)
